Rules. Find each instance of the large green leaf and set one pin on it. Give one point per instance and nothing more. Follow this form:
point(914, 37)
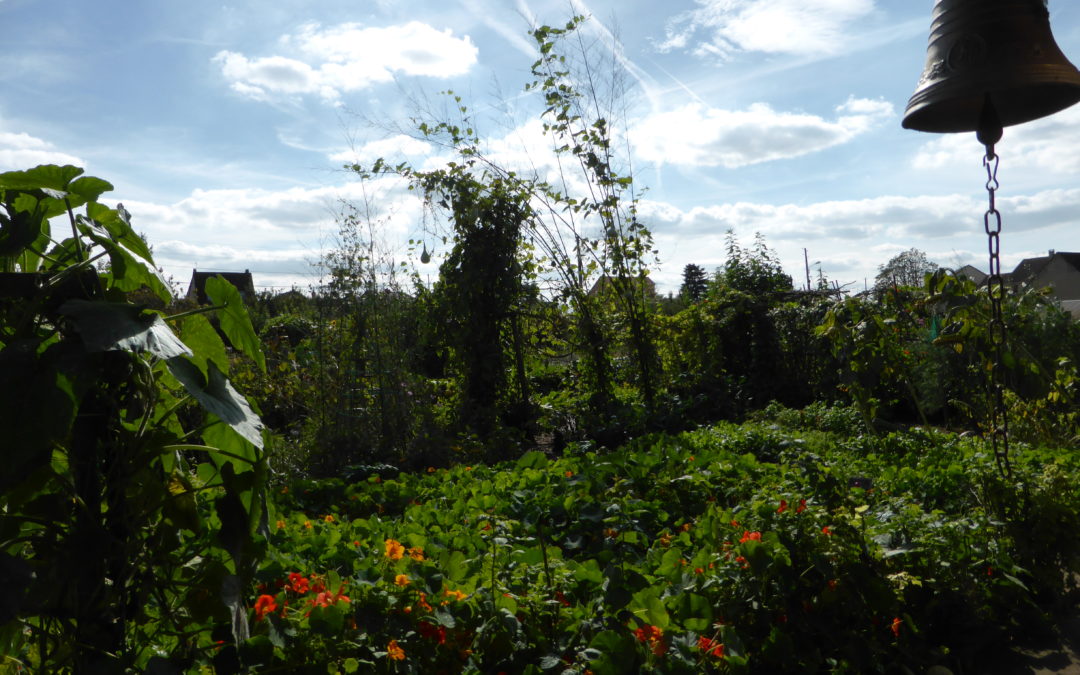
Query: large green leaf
point(204, 341)
point(107, 326)
point(37, 408)
point(218, 396)
point(44, 176)
point(20, 228)
point(131, 266)
point(88, 188)
point(234, 319)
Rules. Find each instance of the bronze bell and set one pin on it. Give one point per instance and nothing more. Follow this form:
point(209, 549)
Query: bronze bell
point(996, 51)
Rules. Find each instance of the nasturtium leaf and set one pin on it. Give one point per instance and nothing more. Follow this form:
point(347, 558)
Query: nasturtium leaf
point(616, 653)
point(109, 326)
point(218, 396)
point(532, 460)
point(647, 606)
point(234, 319)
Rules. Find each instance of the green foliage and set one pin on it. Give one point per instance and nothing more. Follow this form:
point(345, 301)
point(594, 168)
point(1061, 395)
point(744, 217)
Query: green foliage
point(125, 541)
point(756, 271)
point(695, 283)
point(904, 269)
point(796, 550)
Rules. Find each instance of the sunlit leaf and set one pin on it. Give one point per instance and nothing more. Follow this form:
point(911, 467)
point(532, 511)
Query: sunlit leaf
point(218, 396)
point(108, 326)
point(234, 319)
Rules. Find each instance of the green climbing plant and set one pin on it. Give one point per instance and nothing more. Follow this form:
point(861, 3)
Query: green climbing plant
point(126, 536)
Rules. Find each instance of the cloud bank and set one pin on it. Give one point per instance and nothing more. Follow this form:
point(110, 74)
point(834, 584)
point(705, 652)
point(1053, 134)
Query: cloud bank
point(330, 61)
point(697, 135)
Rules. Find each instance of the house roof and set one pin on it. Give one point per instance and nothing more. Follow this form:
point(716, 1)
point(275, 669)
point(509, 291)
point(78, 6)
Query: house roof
point(973, 273)
point(1029, 268)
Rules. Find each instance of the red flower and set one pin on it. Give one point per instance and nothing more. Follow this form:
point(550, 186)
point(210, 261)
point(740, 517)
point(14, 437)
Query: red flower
point(431, 632)
point(783, 506)
point(750, 536)
point(297, 583)
point(562, 599)
point(649, 634)
point(263, 606)
point(895, 627)
point(801, 507)
point(826, 530)
point(711, 647)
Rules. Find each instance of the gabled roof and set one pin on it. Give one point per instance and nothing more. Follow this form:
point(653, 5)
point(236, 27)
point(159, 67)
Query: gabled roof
point(973, 273)
point(1029, 268)
point(242, 281)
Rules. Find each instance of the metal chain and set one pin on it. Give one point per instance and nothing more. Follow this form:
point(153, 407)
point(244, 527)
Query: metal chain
point(995, 288)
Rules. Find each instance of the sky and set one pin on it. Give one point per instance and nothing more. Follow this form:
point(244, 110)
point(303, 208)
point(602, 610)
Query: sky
point(225, 126)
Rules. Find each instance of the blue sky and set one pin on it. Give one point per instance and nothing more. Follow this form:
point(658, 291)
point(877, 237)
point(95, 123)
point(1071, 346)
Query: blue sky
point(224, 126)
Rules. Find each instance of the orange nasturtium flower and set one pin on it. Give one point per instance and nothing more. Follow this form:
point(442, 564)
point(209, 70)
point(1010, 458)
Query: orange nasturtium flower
point(895, 627)
point(750, 536)
point(454, 595)
point(263, 606)
point(710, 646)
point(652, 636)
point(328, 518)
point(281, 524)
point(401, 580)
point(297, 583)
point(417, 554)
point(307, 524)
point(394, 652)
point(394, 549)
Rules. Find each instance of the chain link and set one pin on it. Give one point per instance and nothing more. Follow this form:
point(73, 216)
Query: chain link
point(995, 288)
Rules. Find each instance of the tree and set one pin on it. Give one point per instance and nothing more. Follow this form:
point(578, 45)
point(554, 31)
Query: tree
point(695, 283)
point(904, 269)
point(756, 271)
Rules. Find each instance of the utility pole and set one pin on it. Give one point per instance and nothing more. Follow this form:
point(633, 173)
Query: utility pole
point(806, 261)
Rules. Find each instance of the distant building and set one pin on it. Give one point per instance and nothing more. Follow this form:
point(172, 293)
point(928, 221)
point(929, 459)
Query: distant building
point(1060, 272)
point(973, 273)
point(242, 281)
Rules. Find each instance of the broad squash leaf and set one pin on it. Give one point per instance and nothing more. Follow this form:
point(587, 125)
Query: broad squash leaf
point(218, 396)
point(234, 319)
point(108, 326)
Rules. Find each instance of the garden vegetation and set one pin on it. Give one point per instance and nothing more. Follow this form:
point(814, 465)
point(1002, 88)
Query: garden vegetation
point(532, 465)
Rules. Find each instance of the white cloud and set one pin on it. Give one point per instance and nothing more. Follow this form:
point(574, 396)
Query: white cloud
point(798, 27)
point(851, 238)
point(697, 135)
point(1044, 147)
point(20, 151)
point(275, 234)
point(330, 61)
point(391, 149)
